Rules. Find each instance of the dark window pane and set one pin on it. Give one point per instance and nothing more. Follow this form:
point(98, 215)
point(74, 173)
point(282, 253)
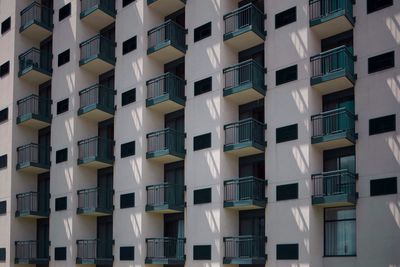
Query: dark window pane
point(375, 5)
point(127, 253)
point(5, 25)
point(382, 124)
point(62, 106)
point(5, 69)
point(64, 12)
point(128, 97)
point(202, 196)
point(63, 58)
point(287, 133)
point(126, 2)
point(62, 155)
point(203, 86)
point(129, 45)
point(287, 251)
point(381, 62)
point(2, 254)
point(61, 203)
point(202, 252)
point(202, 32)
point(287, 191)
point(3, 207)
point(285, 17)
point(202, 141)
point(127, 200)
point(127, 149)
point(3, 161)
point(60, 254)
point(386, 186)
point(286, 75)
point(3, 115)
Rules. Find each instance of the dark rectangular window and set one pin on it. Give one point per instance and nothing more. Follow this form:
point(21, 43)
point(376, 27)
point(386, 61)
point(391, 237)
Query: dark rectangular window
point(287, 133)
point(203, 86)
point(382, 124)
point(287, 191)
point(202, 141)
point(62, 106)
point(385, 186)
point(126, 2)
point(2, 254)
point(202, 196)
point(3, 207)
point(61, 203)
point(127, 253)
point(6, 25)
point(5, 69)
point(202, 32)
point(286, 75)
point(128, 149)
point(202, 252)
point(3, 115)
point(381, 62)
point(60, 254)
point(285, 17)
point(375, 5)
point(129, 45)
point(128, 97)
point(63, 58)
point(62, 155)
point(287, 251)
point(3, 161)
point(127, 201)
point(64, 12)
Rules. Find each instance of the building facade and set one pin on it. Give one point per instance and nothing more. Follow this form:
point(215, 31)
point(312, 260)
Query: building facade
point(200, 133)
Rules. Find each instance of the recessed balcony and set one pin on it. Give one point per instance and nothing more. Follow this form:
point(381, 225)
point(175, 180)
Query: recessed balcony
point(96, 103)
point(167, 42)
point(245, 137)
point(96, 152)
point(331, 17)
point(33, 205)
point(36, 22)
point(97, 55)
point(165, 198)
point(244, 27)
point(166, 7)
point(94, 252)
point(334, 129)
point(95, 202)
point(33, 158)
point(166, 93)
point(245, 250)
point(32, 252)
point(334, 188)
point(98, 13)
point(245, 193)
point(34, 112)
point(166, 146)
point(333, 70)
point(245, 82)
point(35, 66)
point(165, 250)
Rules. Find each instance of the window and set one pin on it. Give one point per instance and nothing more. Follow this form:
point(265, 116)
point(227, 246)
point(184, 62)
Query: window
point(3, 161)
point(386, 186)
point(382, 124)
point(5, 25)
point(63, 58)
point(127, 201)
point(286, 75)
point(202, 141)
point(62, 155)
point(5, 69)
point(375, 5)
point(287, 133)
point(202, 196)
point(127, 253)
point(202, 32)
point(202, 252)
point(62, 106)
point(128, 97)
point(64, 12)
point(287, 251)
point(3, 115)
point(340, 232)
point(285, 17)
point(126, 2)
point(203, 86)
point(3, 207)
point(61, 203)
point(381, 62)
point(2, 254)
point(129, 45)
point(128, 149)
point(60, 254)
point(287, 191)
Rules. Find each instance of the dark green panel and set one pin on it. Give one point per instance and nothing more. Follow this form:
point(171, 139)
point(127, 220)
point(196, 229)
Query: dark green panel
point(202, 141)
point(3, 115)
point(287, 133)
point(286, 75)
point(127, 253)
point(3, 161)
point(202, 196)
point(287, 251)
point(128, 149)
point(203, 86)
point(381, 62)
point(385, 186)
point(61, 155)
point(128, 97)
point(127, 201)
point(60, 254)
point(382, 124)
point(202, 252)
point(287, 191)
point(61, 203)
point(3, 207)
point(2, 254)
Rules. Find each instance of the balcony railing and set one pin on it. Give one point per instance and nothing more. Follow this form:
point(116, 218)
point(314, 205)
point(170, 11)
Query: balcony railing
point(94, 251)
point(171, 195)
point(246, 188)
point(35, 59)
point(245, 247)
point(32, 252)
point(320, 9)
point(36, 13)
point(168, 33)
point(97, 47)
point(165, 248)
point(33, 153)
point(96, 148)
point(95, 199)
point(33, 203)
point(97, 95)
point(35, 105)
point(247, 130)
point(107, 6)
point(167, 85)
point(334, 183)
point(167, 139)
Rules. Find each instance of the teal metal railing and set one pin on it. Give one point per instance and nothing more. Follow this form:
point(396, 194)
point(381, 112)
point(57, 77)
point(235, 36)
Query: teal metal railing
point(167, 139)
point(245, 188)
point(165, 248)
point(36, 59)
point(165, 194)
point(90, 250)
point(244, 247)
point(246, 16)
point(33, 153)
point(169, 31)
point(106, 5)
point(247, 130)
point(97, 95)
point(36, 105)
point(320, 9)
point(31, 250)
point(97, 46)
point(332, 122)
point(248, 71)
point(334, 183)
point(96, 147)
point(33, 202)
point(36, 13)
point(167, 83)
point(95, 198)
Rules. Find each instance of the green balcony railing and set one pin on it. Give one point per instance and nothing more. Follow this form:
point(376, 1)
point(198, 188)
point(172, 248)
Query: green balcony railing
point(166, 86)
point(33, 203)
point(325, 9)
point(171, 195)
point(34, 106)
point(94, 251)
point(168, 33)
point(34, 59)
point(95, 199)
point(165, 248)
point(36, 13)
point(246, 188)
point(97, 47)
point(107, 6)
point(167, 139)
point(334, 183)
point(95, 148)
point(97, 96)
point(247, 130)
point(32, 252)
point(244, 247)
point(33, 153)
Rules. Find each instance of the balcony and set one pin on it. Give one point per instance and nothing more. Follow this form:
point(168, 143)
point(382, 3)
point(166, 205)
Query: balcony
point(244, 138)
point(98, 13)
point(334, 189)
point(33, 205)
point(95, 202)
point(166, 93)
point(245, 250)
point(35, 66)
point(32, 252)
point(96, 152)
point(36, 22)
point(165, 198)
point(244, 27)
point(166, 146)
point(245, 82)
point(334, 129)
point(333, 70)
point(33, 158)
point(94, 251)
point(34, 112)
point(167, 42)
point(97, 55)
point(96, 103)
point(165, 250)
point(331, 17)
point(166, 7)
point(245, 193)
